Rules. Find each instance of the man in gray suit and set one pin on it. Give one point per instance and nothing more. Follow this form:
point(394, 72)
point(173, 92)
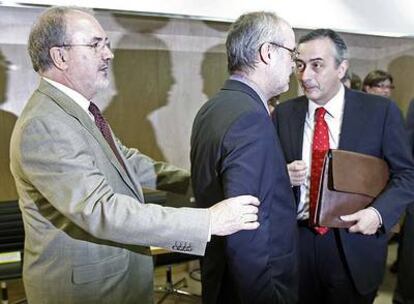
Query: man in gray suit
point(87, 227)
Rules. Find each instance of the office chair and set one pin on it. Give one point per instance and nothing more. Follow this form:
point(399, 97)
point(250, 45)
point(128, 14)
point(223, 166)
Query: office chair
point(11, 244)
point(163, 257)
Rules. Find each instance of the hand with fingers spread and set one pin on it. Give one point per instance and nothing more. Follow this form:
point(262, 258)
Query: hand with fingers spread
point(234, 214)
point(297, 172)
point(366, 221)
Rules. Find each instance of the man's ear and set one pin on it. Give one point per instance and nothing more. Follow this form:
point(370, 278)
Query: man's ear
point(367, 88)
point(343, 67)
point(265, 54)
point(59, 57)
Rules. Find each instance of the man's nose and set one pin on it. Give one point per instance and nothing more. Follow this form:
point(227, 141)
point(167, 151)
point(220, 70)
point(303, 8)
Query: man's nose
point(107, 53)
point(307, 73)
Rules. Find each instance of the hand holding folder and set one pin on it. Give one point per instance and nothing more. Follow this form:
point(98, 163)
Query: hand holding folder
point(350, 181)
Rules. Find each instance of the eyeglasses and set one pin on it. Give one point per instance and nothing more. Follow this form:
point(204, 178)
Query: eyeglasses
point(97, 46)
point(293, 52)
point(384, 86)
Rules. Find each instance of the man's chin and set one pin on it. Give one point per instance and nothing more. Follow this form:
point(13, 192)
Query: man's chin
point(285, 88)
point(282, 89)
point(311, 93)
point(102, 83)
point(309, 96)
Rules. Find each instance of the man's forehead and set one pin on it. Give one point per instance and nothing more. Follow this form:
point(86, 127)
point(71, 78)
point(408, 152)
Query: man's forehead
point(83, 25)
point(286, 30)
point(317, 48)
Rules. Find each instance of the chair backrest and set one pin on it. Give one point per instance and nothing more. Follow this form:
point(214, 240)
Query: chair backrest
point(11, 227)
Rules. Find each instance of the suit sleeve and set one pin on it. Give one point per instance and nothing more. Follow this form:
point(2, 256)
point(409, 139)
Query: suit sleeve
point(156, 174)
point(61, 166)
point(399, 191)
point(246, 149)
point(410, 125)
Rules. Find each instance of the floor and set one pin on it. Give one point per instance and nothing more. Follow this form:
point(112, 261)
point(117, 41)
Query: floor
point(182, 270)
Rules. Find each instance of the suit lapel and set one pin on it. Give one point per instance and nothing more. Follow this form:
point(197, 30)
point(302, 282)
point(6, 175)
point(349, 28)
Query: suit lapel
point(74, 110)
point(352, 122)
point(297, 125)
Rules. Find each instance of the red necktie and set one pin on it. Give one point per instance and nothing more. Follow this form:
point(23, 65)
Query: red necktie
point(103, 126)
point(320, 146)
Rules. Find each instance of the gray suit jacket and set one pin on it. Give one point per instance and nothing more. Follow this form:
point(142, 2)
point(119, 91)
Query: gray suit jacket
point(87, 227)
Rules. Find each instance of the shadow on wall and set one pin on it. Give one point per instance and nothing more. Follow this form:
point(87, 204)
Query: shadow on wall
point(214, 70)
point(143, 79)
point(402, 70)
point(222, 27)
point(293, 91)
point(7, 121)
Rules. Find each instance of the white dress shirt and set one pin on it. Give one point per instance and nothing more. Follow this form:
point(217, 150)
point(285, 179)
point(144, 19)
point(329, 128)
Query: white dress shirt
point(333, 117)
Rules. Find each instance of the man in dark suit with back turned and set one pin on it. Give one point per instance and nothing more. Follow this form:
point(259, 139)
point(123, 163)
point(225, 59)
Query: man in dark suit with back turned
point(235, 150)
point(341, 265)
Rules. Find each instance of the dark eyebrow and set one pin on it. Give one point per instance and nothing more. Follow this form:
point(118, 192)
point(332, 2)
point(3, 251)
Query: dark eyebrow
point(311, 60)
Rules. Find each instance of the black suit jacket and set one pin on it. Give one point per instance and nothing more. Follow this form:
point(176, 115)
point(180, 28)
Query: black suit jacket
point(371, 125)
point(235, 150)
point(410, 130)
point(404, 291)
point(410, 125)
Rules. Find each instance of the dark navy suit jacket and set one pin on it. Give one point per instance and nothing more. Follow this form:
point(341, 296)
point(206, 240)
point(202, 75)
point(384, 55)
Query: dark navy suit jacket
point(235, 150)
point(371, 125)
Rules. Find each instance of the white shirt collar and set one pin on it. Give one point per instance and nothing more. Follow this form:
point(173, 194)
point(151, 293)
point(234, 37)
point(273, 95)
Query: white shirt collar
point(333, 107)
point(75, 96)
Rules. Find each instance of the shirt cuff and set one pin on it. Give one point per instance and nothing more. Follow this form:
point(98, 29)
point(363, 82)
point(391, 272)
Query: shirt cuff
point(378, 214)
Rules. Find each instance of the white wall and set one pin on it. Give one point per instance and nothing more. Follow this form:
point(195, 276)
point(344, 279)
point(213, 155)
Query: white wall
point(375, 17)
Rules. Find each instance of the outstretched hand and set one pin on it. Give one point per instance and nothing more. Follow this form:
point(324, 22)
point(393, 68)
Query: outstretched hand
point(234, 214)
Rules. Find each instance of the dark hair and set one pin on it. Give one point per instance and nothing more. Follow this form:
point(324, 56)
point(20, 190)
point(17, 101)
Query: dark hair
point(245, 37)
point(355, 82)
point(376, 77)
point(340, 45)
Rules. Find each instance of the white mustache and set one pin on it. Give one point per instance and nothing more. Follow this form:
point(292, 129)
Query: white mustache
point(103, 67)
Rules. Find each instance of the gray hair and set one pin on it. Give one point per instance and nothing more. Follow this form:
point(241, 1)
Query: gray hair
point(245, 37)
point(49, 31)
point(339, 43)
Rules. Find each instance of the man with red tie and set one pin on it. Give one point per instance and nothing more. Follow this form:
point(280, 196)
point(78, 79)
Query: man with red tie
point(341, 265)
